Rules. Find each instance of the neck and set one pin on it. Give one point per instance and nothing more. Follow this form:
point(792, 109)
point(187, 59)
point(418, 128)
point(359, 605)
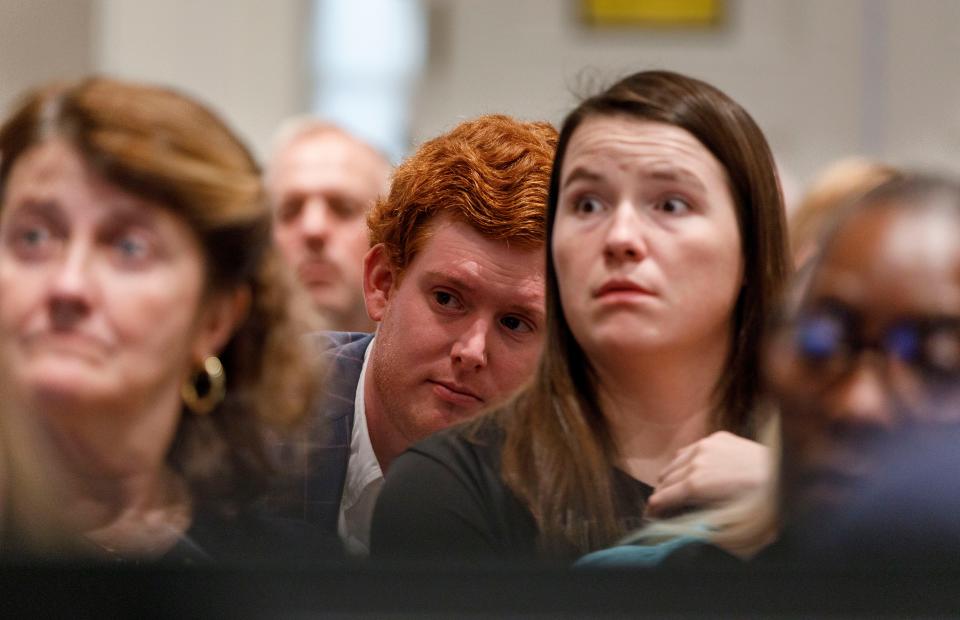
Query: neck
point(112, 457)
point(387, 440)
point(658, 404)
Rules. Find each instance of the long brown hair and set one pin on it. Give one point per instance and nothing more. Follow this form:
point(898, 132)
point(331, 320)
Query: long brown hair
point(163, 146)
point(558, 455)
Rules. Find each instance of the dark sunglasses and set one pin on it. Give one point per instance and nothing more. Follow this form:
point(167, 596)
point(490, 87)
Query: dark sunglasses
point(828, 338)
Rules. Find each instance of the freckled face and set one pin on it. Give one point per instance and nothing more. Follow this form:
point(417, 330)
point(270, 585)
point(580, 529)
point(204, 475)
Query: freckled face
point(461, 331)
point(645, 243)
point(99, 289)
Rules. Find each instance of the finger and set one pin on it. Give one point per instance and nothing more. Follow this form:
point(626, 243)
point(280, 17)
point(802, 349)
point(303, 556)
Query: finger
point(667, 499)
point(681, 459)
point(675, 476)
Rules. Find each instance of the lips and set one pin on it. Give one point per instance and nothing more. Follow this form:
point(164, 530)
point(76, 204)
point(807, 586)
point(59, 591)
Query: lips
point(317, 272)
point(621, 286)
point(456, 394)
point(74, 344)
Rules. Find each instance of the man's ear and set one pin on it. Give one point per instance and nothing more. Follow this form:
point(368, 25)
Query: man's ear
point(379, 278)
point(219, 319)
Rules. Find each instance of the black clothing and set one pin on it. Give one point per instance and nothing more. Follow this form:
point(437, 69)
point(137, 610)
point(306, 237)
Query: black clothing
point(251, 538)
point(444, 500)
point(701, 556)
point(245, 540)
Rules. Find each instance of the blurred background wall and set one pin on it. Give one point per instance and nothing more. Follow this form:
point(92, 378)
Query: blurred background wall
point(824, 78)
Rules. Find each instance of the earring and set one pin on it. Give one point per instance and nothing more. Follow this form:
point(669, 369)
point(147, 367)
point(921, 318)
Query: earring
point(212, 377)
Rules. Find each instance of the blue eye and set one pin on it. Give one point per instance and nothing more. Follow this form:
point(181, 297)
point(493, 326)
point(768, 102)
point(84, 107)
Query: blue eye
point(131, 247)
point(31, 241)
point(819, 337)
point(932, 348)
point(34, 236)
point(903, 342)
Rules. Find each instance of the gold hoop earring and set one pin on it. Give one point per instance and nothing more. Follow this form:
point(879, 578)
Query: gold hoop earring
point(212, 375)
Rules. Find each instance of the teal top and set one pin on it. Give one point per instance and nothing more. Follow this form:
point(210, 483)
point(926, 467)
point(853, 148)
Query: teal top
point(635, 556)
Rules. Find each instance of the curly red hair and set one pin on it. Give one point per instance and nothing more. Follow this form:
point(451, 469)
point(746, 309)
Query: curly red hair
point(492, 172)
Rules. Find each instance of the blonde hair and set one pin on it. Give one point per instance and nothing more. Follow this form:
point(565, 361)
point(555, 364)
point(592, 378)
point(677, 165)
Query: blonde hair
point(30, 489)
point(840, 184)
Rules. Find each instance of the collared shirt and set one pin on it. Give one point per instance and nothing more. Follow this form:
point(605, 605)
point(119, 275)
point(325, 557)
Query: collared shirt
point(364, 477)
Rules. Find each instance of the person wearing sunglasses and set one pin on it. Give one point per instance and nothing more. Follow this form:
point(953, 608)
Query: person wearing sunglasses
point(864, 364)
point(874, 348)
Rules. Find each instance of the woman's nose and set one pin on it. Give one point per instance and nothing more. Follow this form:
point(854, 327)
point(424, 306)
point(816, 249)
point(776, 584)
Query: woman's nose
point(625, 241)
point(862, 398)
point(70, 287)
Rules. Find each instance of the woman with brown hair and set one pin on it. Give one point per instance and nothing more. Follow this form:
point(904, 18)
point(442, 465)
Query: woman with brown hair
point(666, 248)
point(145, 325)
point(861, 437)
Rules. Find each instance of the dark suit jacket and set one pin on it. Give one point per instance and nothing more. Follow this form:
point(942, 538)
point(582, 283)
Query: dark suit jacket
point(312, 490)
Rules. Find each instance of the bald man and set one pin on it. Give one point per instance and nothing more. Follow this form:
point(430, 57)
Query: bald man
point(322, 181)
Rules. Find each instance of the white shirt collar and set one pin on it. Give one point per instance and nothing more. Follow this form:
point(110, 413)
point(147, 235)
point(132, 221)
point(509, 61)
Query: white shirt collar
point(364, 477)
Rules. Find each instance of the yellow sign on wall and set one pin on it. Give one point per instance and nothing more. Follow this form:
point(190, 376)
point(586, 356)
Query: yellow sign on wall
point(652, 12)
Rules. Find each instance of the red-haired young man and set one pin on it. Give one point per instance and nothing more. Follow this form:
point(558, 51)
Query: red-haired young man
point(455, 282)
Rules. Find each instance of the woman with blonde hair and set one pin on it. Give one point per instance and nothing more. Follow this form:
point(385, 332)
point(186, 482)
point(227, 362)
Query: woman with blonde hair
point(145, 323)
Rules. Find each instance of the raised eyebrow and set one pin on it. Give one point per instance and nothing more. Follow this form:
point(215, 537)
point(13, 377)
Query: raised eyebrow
point(677, 174)
point(452, 280)
point(43, 206)
point(530, 304)
point(528, 311)
point(47, 208)
point(581, 174)
point(128, 214)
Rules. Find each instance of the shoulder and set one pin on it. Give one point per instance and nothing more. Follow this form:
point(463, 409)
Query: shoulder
point(339, 343)
point(254, 537)
point(342, 353)
point(473, 447)
point(455, 469)
point(444, 499)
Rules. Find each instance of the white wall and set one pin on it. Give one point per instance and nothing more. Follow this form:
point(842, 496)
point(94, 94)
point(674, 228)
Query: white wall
point(922, 96)
point(794, 65)
point(824, 78)
point(245, 57)
point(42, 40)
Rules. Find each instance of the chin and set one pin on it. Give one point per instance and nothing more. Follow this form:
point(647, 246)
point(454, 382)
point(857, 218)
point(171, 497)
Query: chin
point(442, 418)
point(628, 339)
point(65, 384)
point(327, 295)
